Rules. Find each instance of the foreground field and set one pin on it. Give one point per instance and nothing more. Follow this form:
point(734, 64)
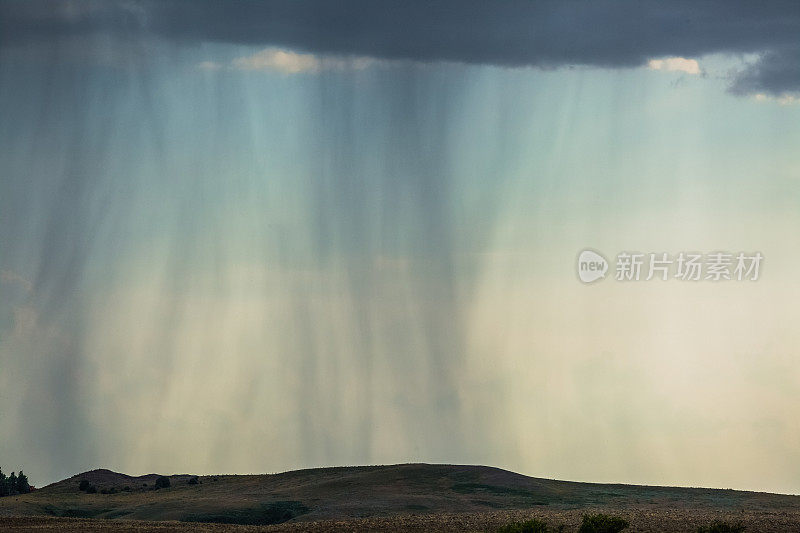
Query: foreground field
point(415, 497)
point(664, 521)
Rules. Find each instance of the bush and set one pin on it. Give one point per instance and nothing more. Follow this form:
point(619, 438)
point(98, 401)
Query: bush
point(192, 481)
point(162, 482)
point(720, 526)
point(602, 523)
point(14, 484)
point(529, 526)
point(87, 487)
point(23, 487)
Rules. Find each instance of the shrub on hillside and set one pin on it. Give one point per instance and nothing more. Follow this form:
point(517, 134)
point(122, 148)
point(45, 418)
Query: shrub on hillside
point(87, 487)
point(14, 484)
point(4, 489)
point(23, 487)
point(602, 523)
point(162, 482)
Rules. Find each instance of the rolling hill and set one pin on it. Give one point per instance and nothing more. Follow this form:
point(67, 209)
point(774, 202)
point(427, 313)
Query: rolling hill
point(415, 493)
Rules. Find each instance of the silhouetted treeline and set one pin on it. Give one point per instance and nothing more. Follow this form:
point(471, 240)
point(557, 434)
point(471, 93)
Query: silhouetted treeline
point(14, 484)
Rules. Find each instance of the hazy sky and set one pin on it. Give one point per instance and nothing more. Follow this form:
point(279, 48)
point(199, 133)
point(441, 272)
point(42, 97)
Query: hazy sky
point(258, 236)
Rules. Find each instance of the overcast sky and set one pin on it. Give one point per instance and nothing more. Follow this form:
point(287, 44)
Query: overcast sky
point(257, 236)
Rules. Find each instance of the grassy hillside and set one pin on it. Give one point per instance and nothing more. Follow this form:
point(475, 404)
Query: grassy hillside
point(307, 496)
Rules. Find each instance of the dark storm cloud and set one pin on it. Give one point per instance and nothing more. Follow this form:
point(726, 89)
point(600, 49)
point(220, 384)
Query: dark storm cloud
point(512, 33)
point(776, 73)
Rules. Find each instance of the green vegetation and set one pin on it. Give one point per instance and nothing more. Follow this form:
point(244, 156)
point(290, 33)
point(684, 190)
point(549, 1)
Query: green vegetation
point(720, 526)
point(77, 513)
point(162, 482)
point(495, 490)
point(265, 515)
point(14, 484)
point(85, 486)
point(528, 526)
point(477, 488)
point(602, 523)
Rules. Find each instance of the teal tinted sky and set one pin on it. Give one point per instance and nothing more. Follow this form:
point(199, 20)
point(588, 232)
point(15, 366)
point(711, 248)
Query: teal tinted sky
point(249, 258)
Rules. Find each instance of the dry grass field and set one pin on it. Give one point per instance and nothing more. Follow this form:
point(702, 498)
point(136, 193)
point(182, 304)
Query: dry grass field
point(388, 498)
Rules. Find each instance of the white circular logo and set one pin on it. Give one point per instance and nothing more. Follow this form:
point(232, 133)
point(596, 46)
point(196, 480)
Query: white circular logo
point(591, 266)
